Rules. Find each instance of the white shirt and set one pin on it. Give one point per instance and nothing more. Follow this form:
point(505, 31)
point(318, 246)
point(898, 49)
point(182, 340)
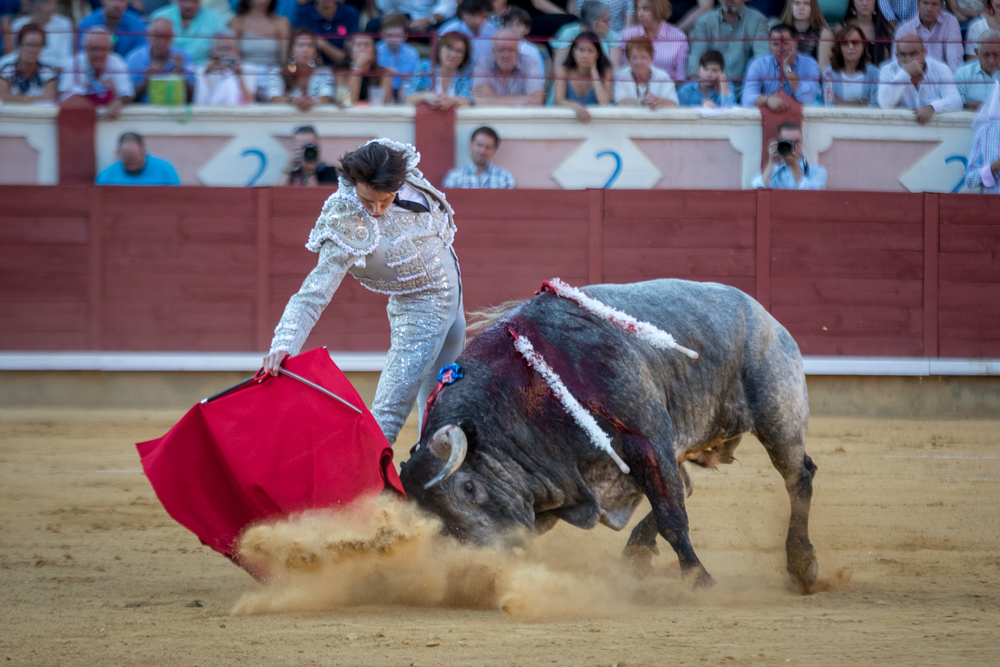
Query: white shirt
point(222, 89)
point(77, 77)
point(58, 39)
point(938, 89)
point(320, 85)
point(660, 85)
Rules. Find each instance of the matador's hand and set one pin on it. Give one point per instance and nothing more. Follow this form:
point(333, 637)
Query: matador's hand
point(272, 362)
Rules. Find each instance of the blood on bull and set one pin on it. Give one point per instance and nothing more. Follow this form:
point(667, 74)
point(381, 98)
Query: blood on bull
point(517, 441)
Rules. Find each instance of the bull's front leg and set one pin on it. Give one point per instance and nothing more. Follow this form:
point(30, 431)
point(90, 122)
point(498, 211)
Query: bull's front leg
point(660, 479)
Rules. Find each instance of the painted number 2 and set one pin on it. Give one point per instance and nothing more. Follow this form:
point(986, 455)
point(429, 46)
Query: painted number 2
point(263, 164)
point(618, 166)
point(965, 165)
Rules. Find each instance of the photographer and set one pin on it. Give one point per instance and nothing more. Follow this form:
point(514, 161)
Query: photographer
point(223, 80)
point(786, 169)
point(305, 167)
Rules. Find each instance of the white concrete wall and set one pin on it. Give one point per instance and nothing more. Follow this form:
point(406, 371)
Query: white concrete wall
point(29, 150)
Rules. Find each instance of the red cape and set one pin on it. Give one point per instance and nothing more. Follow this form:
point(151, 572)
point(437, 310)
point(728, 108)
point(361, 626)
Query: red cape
point(266, 450)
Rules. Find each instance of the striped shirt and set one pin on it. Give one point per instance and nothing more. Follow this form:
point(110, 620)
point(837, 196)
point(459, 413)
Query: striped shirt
point(985, 149)
point(900, 11)
point(467, 177)
point(670, 49)
point(943, 41)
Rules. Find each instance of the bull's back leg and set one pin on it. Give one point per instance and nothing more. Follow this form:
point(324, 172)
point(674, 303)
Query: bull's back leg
point(660, 479)
point(781, 418)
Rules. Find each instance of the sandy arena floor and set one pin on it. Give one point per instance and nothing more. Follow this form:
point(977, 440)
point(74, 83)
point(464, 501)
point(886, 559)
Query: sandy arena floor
point(906, 522)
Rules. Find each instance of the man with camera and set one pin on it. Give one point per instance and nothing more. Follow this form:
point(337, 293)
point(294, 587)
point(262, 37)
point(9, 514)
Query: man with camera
point(305, 167)
point(786, 169)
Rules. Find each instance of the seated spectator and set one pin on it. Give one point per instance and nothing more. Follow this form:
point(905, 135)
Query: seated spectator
point(519, 21)
point(915, 81)
point(158, 58)
point(988, 20)
point(58, 31)
point(194, 26)
point(984, 161)
point(687, 12)
point(595, 17)
point(481, 173)
point(975, 79)
point(850, 79)
point(263, 34)
point(586, 78)
point(224, 81)
point(333, 21)
point(899, 12)
point(127, 27)
point(447, 83)
point(508, 78)
point(785, 69)
point(734, 30)
point(670, 46)
point(965, 10)
point(473, 22)
point(136, 167)
point(24, 78)
point(302, 83)
point(425, 15)
point(642, 83)
point(867, 15)
point(786, 168)
point(305, 166)
point(811, 29)
point(392, 52)
point(99, 74)
point(712, 89)
point(938, 31)
point(365, 79)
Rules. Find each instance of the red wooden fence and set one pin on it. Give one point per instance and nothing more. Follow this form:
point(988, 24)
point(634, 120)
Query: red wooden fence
point(210, 269)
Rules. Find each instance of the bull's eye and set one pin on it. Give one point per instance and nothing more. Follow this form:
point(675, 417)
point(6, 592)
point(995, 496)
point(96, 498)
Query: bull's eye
point(469, 488)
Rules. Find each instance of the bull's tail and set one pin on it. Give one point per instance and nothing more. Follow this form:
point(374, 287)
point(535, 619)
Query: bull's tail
point(480, 319)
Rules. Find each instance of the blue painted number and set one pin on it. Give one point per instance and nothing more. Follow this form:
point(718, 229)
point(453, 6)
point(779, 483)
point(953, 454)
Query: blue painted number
point(965, 166)
point(618, 166)
point(263, 164)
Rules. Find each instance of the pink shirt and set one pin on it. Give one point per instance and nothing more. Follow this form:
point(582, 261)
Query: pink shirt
point(670, 48)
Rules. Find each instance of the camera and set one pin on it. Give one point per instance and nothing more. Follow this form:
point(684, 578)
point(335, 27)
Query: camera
point(785, 148)
point(228, 63)
point(310, 153)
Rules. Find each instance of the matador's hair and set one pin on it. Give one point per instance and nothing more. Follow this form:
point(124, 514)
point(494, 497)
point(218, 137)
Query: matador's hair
point(377, 166)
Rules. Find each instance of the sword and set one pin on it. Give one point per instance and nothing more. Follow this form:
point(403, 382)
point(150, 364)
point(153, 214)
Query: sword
point(316, 386)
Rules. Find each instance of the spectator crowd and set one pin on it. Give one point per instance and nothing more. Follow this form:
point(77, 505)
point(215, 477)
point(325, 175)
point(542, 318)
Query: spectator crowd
point(927, 55)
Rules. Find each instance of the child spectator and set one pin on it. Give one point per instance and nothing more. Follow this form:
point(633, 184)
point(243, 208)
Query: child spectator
point(473, 22)
point(394, 53)
point(519, 21)
point(586, 78)
point(712, 89)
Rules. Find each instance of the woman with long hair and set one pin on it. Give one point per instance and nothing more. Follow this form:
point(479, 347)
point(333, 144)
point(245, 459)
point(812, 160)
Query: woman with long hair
point(988, 20)
point(446, 82)
point(670, 45)
point(23, 77)
point(595, 17)
point(850, 79)
point(364, 75)
point(585, 78)
point(811, 29)
point(879, 33)
point(263, 34)
point(301, 82)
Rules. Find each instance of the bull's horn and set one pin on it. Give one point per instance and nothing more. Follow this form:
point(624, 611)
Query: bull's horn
point(449, 441)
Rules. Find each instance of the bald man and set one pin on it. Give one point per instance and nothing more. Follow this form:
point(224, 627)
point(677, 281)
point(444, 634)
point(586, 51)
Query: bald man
point(508, 78)
point(99, 74)
point(916, 81)
point(975, 79)
point(157, 58)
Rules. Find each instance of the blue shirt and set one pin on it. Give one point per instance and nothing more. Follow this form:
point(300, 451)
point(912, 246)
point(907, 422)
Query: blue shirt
point(156, 171)
point(427, 78)
point(129, 35)
point(690, 95)
point(974, 85)
point(782, 178)
point(343, 23)
point(763, 77)
point(138, 63)
point(405, 61)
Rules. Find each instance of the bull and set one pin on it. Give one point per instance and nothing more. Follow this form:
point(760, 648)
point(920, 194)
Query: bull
point(499, 452)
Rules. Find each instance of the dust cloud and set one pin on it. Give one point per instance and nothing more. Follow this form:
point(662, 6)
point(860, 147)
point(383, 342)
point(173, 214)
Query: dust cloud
point(380, 551)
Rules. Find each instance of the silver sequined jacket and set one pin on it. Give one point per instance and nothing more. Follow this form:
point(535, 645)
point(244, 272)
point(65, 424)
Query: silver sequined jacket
point(397, 253)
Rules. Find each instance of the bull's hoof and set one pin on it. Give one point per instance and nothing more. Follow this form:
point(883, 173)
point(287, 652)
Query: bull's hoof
point(702, 579)
point(640, 557)
point(804, 571)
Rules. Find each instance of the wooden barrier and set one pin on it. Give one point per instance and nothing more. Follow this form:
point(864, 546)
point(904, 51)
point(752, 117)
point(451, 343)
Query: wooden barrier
point(210, 269)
